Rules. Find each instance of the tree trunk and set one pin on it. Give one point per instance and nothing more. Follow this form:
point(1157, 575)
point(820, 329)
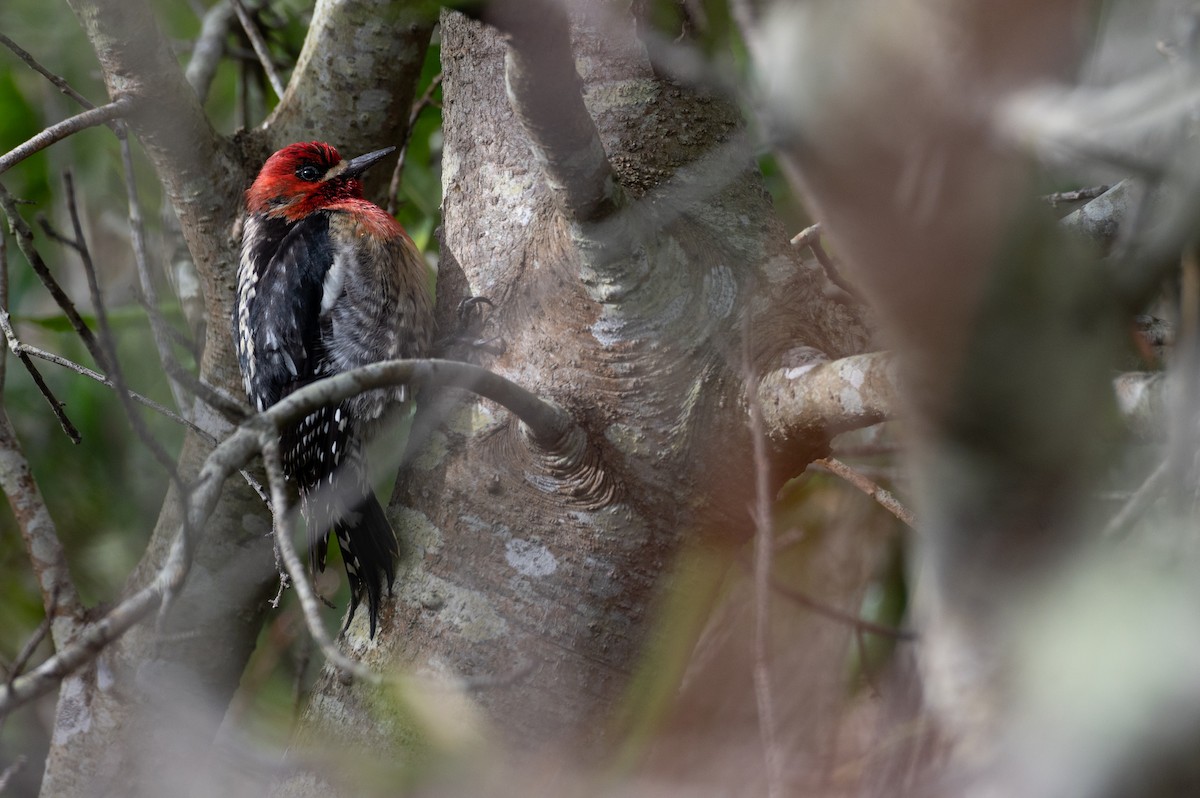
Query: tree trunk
point(529, 572)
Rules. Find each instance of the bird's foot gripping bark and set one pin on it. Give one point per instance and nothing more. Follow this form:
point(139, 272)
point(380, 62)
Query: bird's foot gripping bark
point(474, 314)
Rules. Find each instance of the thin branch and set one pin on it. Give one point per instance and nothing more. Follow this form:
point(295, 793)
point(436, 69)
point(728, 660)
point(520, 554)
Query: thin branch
point(158, 325)
point(260, 47)
point(166, 412)
point(883, 497)
point(61, 84)
point(50, 357)
point(1078, 195)
point(85, 647)
point(25, 243)
point(59, 131)
point(548, 424)
point(39, 534)
point(282, 526)
point(231, 455)
point(56, 407)
point(763, 549)
point(834, 614)
point(208, 49)
point(419, 106)
point(811, 237)
point(108, 344)
point(39, 634)
point(11, 771)
point(1139, 502)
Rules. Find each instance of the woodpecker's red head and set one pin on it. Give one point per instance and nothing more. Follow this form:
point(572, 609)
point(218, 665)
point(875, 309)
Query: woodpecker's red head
point(306, 177)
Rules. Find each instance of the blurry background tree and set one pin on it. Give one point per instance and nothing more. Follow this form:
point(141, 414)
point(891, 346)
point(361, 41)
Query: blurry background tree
point(664, 578)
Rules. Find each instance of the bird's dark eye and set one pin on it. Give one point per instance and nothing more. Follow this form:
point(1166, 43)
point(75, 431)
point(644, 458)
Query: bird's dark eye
point(309, 173)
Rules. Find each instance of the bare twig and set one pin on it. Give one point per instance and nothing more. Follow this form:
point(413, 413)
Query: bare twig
point(811, 237)
point(50, 357)
point(61, 84)
point(807, 236)
point(56, 407)
point(763, 549)
point(108, 345)
point(39, 534)
point(883, 497)
point(209, 47)
point(39, 634)
point(11, 770)
point(26, 349)
point(1140, 501)
point(1078, 195)
point(282, 526)
point(419, 106)
point(86, 646)
point(547, 423)
point(859, 625)
point(59, 131)
point(260, 47)
point(25, 243)
point(231, 455)
point(158, 325)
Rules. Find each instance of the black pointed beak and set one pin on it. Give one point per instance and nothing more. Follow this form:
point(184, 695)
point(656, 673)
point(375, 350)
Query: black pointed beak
point(356, 166)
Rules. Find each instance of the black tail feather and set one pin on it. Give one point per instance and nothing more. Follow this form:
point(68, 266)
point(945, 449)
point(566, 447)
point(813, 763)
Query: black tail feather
point(369, 552)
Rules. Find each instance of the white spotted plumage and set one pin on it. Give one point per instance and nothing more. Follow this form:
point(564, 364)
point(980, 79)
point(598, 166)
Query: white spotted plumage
point(328, 282)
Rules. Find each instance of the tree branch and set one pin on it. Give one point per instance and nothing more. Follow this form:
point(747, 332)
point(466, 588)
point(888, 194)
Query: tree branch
point(24, 237)
point(230, 456)
point(883, 497)
point(200, 176)
point(550, 426)
point(282, 528)
point(857, 391)
point(382, 43)
point(208, 49)
point(547, 422)
point(59, 131)
point(546, 95)
point(56, 407)
point(107, 342)
point(40, 535)
point(830, 397)
point(260, 47)
point(58, 82)
point(158, 325)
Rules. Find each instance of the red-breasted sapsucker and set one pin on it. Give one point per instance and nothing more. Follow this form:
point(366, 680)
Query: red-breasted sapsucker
point(328, 281)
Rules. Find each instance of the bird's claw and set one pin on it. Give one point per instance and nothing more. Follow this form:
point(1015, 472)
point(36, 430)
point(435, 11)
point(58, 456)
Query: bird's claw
point(471, 321)
point(467, 307)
